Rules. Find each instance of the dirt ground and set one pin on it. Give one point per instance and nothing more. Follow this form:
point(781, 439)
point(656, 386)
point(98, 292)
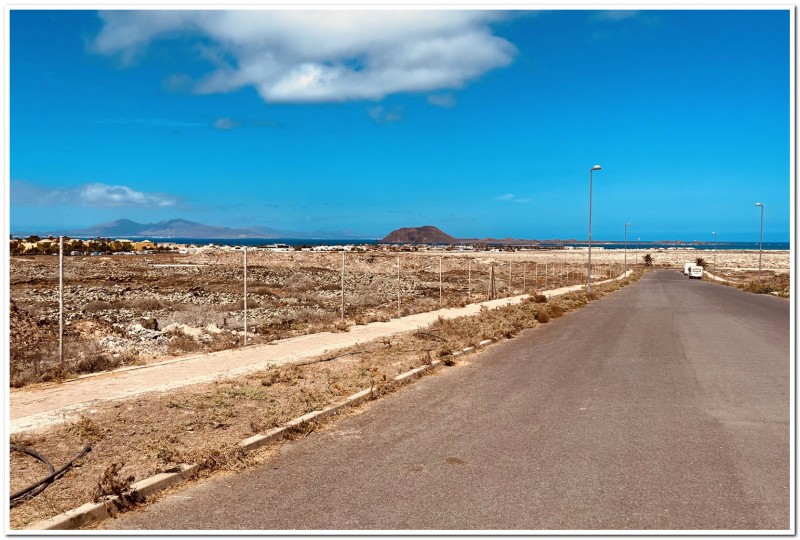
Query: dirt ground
point(136, 438)
point(126, 310)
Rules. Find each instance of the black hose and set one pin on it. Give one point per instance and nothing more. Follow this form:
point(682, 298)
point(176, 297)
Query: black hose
point(34, 489)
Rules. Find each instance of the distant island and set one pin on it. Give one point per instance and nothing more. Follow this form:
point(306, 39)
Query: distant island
point(183, 228)
point(428, 234)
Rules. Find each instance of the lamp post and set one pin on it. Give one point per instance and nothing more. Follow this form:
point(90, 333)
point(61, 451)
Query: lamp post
point(760, 239)
point(625, 266)
point(589, 273)
point(715, 250)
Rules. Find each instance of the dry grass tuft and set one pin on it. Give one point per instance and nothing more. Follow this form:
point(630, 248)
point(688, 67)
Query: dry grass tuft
point(110, 482)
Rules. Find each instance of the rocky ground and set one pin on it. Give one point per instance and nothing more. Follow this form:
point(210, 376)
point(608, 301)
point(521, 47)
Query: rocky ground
point(122, 310)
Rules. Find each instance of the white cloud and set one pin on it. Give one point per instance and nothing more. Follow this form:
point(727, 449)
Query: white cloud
point(321, 56)
point(447, 100)
point(381, 115)
point(93, 195)
point(510, 197)
point(225, 124)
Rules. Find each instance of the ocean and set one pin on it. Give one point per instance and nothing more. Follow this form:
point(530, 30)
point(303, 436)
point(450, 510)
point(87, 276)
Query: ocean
point(767, 246)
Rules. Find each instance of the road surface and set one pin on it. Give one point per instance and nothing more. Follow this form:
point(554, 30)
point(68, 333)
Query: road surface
point(663, 406)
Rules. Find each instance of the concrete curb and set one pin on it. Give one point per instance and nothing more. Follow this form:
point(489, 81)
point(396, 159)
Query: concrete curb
point(94, 512)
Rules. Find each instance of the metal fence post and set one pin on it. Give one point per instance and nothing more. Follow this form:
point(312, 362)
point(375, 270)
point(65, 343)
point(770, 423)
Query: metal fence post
point(398, 286)
point(61, 299)
point(342, 285)
point(440, 281)
point(524, 271)
point(245, 295)
point(469, 279)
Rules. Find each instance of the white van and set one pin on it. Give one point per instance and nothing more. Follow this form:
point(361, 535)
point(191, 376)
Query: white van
point(686, 268)
point(696, 272)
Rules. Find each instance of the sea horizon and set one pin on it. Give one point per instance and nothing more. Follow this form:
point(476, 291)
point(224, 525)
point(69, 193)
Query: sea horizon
point(606, 244)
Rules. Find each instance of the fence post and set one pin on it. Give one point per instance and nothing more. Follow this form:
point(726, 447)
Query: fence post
point(510, 289)
point(342, 285)
point(491, 283)
point(398, 286)
point(545, 276)
point(469, 279)
point(245, 295)
point(60, 299)
point(440, 281)
point(524, 271)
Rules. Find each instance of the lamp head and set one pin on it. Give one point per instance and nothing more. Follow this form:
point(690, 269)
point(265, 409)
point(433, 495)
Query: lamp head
point(596, 168)
point(759, 204)
point(627, 224)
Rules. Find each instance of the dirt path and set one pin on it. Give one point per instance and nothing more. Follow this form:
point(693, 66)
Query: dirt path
point(37, 408)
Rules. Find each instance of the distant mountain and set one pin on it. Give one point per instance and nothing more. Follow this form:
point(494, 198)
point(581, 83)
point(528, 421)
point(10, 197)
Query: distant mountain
point(420, 235)
point(183, 228)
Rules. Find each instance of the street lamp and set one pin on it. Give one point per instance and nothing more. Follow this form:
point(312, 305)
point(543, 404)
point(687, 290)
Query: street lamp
point(589, 273)
point(715, 250)
point(625, 267)
point(760, 239)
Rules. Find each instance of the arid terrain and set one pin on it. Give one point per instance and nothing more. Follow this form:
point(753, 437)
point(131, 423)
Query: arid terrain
point(122, 310)
point(134, 438)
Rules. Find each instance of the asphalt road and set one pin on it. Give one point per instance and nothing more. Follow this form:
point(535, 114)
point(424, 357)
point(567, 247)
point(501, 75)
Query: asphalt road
point(663, 406)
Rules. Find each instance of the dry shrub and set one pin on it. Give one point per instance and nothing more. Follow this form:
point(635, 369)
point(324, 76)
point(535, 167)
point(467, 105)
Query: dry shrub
point(146, 304)
point(556, 311)
point(86, 431)
point(590, 295)
point(308, 399)
point(542, 316)
point(341, 326)
point(289, 374)
point(758, 287)
point(221, 341)
point(181, 343)
point(93, 358)
point(96, 306)
point(110, 482)
point(539, 298)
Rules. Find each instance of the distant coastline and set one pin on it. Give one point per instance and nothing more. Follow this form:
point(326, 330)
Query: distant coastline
point(295, 242)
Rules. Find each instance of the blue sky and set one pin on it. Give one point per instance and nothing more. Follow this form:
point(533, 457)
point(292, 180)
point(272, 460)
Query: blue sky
point(483, 124)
